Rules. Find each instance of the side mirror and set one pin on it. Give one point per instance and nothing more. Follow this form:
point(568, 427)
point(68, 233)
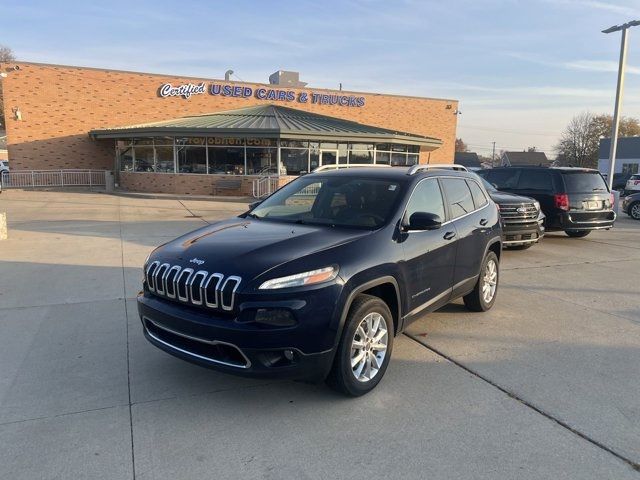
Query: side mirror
point(254, 204)
point(424, 221)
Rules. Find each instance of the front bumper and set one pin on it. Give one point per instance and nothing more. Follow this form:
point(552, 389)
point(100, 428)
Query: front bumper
point(522, 233)
point(243, 349)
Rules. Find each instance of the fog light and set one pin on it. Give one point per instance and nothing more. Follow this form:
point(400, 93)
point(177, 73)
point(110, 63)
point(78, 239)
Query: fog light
point(288, 354)
point(275, 317)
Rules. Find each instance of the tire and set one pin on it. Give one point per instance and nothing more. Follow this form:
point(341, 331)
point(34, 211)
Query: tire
point(343, 377)
point(634, 210)
point(577, 233)
point(487, 283)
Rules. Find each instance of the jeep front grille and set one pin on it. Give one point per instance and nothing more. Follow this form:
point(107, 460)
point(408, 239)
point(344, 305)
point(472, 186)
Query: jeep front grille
point(185, 285)
point(519, 212)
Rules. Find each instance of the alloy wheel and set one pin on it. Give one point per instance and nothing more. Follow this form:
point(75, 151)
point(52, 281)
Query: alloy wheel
point(490, 281)
point(369, 347)
point(635, 211)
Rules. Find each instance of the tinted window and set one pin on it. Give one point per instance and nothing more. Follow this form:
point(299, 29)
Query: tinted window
point(507, 178)
point(479, 198)
point(535, 180)
point(458, 196)
point(426, 197)
point(583, 182)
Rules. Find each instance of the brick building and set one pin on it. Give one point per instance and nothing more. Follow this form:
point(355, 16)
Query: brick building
point(163, 133)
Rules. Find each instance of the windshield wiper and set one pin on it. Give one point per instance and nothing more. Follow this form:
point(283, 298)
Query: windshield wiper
point(253, 215)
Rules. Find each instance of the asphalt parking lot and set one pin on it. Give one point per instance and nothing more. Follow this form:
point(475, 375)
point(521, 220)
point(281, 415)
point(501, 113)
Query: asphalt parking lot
point(545, 385)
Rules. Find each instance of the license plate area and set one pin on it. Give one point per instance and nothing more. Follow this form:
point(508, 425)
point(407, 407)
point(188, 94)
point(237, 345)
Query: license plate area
point(593, 205)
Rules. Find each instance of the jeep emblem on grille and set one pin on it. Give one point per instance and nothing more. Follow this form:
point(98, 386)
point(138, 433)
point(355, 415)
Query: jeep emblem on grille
point(519, 210)
point(196, 261)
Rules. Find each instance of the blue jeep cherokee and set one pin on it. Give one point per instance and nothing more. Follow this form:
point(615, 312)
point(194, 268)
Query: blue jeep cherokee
point(315, 281)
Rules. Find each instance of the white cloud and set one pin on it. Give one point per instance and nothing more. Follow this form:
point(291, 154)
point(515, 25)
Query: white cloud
point(600, 66)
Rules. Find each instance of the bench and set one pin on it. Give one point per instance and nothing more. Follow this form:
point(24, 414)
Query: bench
point(227, 184)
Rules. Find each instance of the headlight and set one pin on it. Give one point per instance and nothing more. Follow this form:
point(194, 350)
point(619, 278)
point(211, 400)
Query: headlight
point(300, 279)
point(537, 205)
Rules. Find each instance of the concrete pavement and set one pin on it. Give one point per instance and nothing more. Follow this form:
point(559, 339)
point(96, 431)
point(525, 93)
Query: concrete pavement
point(542, 386)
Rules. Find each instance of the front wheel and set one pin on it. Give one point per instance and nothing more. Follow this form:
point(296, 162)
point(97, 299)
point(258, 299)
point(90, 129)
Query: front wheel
point(577, 233)
point(364, 349)
point(484, 293)
point(634, 210)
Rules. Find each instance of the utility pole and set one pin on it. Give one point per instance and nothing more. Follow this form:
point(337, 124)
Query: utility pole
point(619, 91)
point(493, 155)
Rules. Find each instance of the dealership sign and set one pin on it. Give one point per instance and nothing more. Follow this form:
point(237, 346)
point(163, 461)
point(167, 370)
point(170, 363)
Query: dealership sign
point(187, 90)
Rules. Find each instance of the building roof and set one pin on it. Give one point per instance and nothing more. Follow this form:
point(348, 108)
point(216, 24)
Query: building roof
point(627, 148)
point(526, 158)
point(467, 159)
point(268, 121)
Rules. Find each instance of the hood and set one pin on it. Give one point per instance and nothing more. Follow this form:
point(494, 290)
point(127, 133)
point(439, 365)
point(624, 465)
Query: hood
point(509, 198)
point(249, 247)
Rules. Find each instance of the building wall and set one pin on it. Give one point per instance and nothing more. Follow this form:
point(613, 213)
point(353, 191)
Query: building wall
point(4, 154)
point(60, 104)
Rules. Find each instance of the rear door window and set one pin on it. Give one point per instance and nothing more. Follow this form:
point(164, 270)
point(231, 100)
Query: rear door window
point(584, 182)
point(458, 196)
point(535, 180)
point(507, 178)
point(479, 198)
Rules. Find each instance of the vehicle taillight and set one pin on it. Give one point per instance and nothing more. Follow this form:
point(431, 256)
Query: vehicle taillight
point(561, 201)
point(612, 200)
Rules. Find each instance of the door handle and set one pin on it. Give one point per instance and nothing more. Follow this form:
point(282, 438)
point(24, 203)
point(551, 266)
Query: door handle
point(484, 221)
point(449, 235)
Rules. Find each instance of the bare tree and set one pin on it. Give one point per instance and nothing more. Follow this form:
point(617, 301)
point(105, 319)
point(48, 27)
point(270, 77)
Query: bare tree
point(460, 145)
point(579, 140)
point(6, 55)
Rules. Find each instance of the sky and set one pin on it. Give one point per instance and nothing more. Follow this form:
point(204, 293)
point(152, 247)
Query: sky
point(520, 69)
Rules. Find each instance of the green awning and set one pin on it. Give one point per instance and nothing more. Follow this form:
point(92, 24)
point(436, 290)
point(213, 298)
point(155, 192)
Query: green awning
point(268, 121)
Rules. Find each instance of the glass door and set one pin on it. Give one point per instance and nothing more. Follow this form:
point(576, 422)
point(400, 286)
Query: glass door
point(328, 157)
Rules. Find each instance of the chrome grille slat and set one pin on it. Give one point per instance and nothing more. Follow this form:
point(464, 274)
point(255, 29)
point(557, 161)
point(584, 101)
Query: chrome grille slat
point(159, 278)
point(237, 281)
point(171, 294)
point(150, 275)
point(199, 288)
point(510, 212)
point(207, 301)
point(204, 274)
point(188, 272)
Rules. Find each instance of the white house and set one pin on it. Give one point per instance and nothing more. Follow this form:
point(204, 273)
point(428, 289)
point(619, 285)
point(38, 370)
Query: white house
point(627, 155)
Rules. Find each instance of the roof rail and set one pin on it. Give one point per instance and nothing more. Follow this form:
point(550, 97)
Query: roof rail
point(434, 166)
point(337, 166)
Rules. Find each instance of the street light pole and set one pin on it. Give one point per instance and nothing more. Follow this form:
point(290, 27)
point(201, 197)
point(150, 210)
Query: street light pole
point(619, 91)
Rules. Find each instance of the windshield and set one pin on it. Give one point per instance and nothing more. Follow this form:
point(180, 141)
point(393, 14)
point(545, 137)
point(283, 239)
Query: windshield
point(336, 201)
point(584, 181)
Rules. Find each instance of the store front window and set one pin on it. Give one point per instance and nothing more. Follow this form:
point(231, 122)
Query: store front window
point(295, 160)
point(226, 160)
point(262, 161)
point(252, 156)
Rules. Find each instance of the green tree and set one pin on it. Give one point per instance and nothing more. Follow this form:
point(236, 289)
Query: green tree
point(6, 55)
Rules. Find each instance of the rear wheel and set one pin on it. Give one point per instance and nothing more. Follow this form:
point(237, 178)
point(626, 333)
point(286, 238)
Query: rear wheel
point(577, 233)
point(364, 349)
point(634, 210)
point(484, 294)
